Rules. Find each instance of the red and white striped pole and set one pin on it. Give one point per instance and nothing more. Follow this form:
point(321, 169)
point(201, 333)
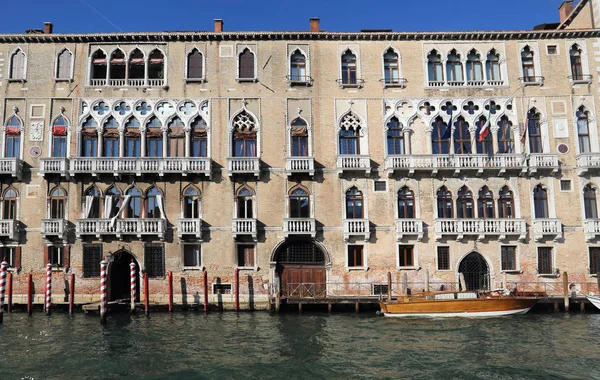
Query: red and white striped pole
point(48, 304)
point(103, 265)
point(3, 268)
point(132, 284)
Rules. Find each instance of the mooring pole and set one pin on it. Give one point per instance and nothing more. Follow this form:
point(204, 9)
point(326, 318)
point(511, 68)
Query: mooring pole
point(146, 295)
point(103, 305)
point(29, 295)
point(10, 292)
point(3, 268)
point(48, 288)
point(389, 279)
point(72, 294)
point(170, 281)
point(205, 283)
point(405, 283)
point(566, 290)
point(427, 280)
point(236, 300)
point(463, 283)
point(598, 281)
point(277, 302)
point(132, 286)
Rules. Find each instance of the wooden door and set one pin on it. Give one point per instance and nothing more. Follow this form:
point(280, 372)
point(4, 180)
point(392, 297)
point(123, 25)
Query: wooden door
point(303, 281)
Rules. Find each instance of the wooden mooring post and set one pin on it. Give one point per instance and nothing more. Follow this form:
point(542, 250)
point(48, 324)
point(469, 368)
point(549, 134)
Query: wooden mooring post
point(389, 289)
point(72, 294)
point(566, 290)
point(170, 283)
point(427, 280)
point(405, 283)
point(463, 283)
point(146, 295)
point(277, 302)
point(29, 295)
point(205, 283)
point(10, 292)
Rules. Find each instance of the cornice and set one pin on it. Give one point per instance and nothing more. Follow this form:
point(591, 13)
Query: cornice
point(163, 37)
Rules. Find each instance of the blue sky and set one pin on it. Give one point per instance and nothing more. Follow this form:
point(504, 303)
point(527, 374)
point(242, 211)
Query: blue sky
point(77, 16)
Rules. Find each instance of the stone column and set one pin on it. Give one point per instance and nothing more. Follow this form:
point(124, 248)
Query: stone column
point(407, 144)
point(165, 139)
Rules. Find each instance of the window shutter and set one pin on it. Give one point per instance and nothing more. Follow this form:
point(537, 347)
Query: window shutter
point(18, 258)
point(46, 255)
point(64, 65)
point(249, 256)
point(195, 65)
point(18, 64)
point(247, 64)
point(66, 259)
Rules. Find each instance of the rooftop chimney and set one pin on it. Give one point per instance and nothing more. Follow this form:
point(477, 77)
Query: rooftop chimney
point(218, 25)
point(48, 28)
point(565, 10)
point(314, 24)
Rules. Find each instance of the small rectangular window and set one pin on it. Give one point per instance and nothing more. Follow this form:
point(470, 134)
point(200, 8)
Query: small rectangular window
point(245, 255)
point(10, 255)
point(154, 260)
point(545, 261)
point(355, 256)
point(443, 258)
point(55, 256)
point(192, 255)
point(594, 260)
point(380, 185)
point(508, 257)
point(565, 185)
point(221, 288)
point(380, 289)
point(92, 255)
point(552, 49)
point(406, 256)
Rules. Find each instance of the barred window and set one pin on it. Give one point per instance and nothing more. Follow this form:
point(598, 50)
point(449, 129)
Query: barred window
point(545, 261)
point(154, 260)
point(92, 255)
point(443, 258)
point(508, 257)
point(594, 260)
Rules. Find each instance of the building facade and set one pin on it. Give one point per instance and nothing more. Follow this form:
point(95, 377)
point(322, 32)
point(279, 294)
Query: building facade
point(313, 162)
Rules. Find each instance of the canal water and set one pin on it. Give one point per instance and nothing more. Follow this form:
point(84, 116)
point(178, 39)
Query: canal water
point(257, 345)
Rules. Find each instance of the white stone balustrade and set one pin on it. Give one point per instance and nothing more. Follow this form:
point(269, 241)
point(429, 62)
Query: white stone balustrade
point(9, 229)
point(300, 165)
point(299, 226)
point(354, 162)
point(481, 227)
point(187, 226)
point(538, 161)
point(54, 165)
point(54, 228)
point(244, 226)
point(591, 229)
point(499, 163)
point(587, 162)
point(357, 227)
point(140, 165)
point(11, 166)
point(243, 165)
point(121, 226)
point(409, 227)
point(547, 227)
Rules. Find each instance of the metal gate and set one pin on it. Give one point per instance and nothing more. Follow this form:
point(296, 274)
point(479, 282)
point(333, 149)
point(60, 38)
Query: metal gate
point(301, 269)
point(476, 272)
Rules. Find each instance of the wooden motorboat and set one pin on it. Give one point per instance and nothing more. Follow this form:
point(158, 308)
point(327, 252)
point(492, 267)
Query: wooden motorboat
point(457, 304)
point(594, 300)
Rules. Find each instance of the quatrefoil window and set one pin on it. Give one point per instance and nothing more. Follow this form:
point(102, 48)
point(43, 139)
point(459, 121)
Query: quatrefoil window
point(122, 108)
point(101, 108)
point(143, 108)
point(449, 108)
point(187, 108)
point(165, 109)
point(471, 108)
point(492, 107)
point(427, 108)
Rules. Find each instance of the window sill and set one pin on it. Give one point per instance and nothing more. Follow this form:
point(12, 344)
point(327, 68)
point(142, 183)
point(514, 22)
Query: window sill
point(195, 80)
point(444, 270)
point(348, 269)
point(253, 80)
point(512, 271)
point(247, 268)
point(200, 268)
point(574, 82)
point(593, 275)
point(409, 268)
point(63, 79)
point(552, 275)
point(10, 80)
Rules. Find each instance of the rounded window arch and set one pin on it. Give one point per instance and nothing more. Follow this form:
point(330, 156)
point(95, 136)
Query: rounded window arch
point(298, 67)
point(506, 203)
point(195, 64)
point(391, 67)
point(133, 200)
point(245, 202)
point(98, 68)
point(58, 200)
point(154, 203)
point(474, 67)
point(354, 204)
point(534, 130)
point(485, 203)
point(64, 62)
point(113, 199)
point(406, 203)
point(244, 135)
point(12, 137)
point(492, 66)
point(589, 202)
point(117, 68)
point(191, 202)
point(299, 198)
point(454, 69)
point(444, 203)
point(575, 60)
point(9, 203)
point(299, 137)
point(540, 202)
point(434, 67)
point(137, 67)
point(395, 137)
point(464, 203)
point(92, 204)
point(583, 130)
point(349, 68)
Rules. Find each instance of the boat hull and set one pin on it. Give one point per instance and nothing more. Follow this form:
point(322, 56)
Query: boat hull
point(479, 307)
point(594, 300)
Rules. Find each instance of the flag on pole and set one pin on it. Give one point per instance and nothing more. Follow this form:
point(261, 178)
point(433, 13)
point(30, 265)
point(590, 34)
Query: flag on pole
point(483, 132)
point(448, 130)
point(525, 126)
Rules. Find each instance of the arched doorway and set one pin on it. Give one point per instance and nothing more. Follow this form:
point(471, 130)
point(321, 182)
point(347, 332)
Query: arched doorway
point(476, 271)
point(119, 276)
point(301, 269)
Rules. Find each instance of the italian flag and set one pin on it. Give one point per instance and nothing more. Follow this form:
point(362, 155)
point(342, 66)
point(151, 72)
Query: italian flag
point(486, 127)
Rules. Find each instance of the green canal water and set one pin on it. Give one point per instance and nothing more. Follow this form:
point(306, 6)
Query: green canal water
point(257, 345)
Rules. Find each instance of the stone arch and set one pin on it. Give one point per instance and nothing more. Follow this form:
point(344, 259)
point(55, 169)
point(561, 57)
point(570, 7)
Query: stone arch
point(476, 271)
point(118, 273)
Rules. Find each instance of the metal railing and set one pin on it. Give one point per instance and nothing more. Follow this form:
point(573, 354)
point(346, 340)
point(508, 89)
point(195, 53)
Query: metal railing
point(537, 80)
point(581, 78)
point(394, 82)
point(347, 82)
point(306, 80)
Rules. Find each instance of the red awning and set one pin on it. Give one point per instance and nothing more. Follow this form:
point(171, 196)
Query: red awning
point(99, 61)
point(59, 131)
point(117, 61)
point(137, 61)
point(156, 61)
point(13, 131)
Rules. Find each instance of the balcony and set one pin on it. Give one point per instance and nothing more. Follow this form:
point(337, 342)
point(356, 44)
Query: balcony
point(544, 227)
point(54, 228)
point(120, 227)
point(301, 80)
point(482, 228)
point(190, 227)
point(351, 83)
point(56, 165)
point(580, 79)
point(409, 227)
point(9, 229)
point(127, 82)
point(587, 162)
point(393, 82)
point(244, 226)
point(591, 229)
point(243, 165)
point(498, 163)
point(357, 227)
point(300, 165)
point(354, 162)
point(11, 166)
point(543, 161)
point(532, 81)
point(140, 165)
point(299, 226)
